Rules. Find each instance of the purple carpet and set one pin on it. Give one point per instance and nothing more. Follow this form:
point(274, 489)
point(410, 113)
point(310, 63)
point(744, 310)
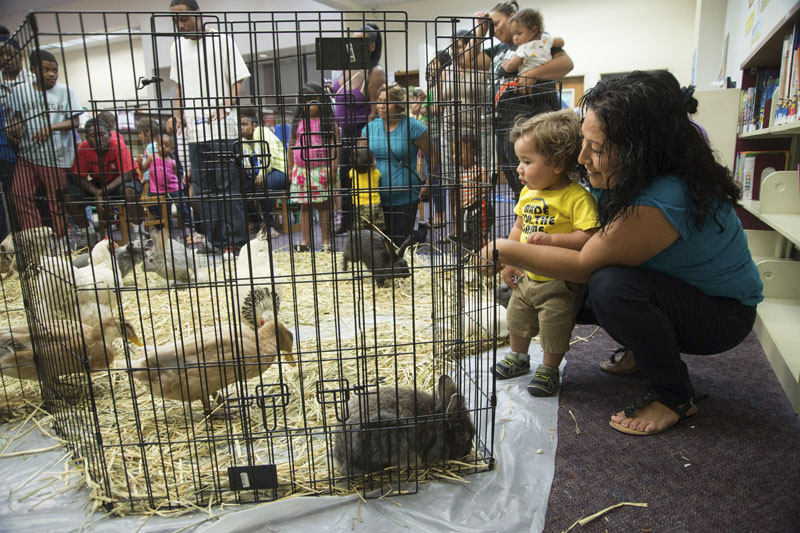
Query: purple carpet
point(735, 466)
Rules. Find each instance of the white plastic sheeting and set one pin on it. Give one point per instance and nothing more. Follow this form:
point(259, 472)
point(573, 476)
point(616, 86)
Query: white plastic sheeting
point(512, 497)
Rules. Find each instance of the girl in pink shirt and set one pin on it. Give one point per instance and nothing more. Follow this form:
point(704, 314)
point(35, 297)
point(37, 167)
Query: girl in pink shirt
point(164, 177)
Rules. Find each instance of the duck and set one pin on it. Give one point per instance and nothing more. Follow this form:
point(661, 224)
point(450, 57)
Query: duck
point(65, 347)
point(31, 244)
point(87, 293)
point(198, 367)
point(257, 301)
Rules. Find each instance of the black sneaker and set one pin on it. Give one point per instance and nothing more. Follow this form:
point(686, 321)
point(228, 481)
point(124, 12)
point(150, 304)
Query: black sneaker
point(545, 381)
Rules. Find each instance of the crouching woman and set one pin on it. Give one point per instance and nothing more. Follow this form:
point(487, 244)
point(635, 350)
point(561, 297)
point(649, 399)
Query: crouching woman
point(670, 271)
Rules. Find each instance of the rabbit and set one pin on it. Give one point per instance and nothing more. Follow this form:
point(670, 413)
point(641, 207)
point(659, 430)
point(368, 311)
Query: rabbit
point(375, 251)
point(502, 294)
point(443, 431)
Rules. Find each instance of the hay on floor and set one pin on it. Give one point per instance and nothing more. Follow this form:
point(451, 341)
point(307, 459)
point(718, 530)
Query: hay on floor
point(162, 453)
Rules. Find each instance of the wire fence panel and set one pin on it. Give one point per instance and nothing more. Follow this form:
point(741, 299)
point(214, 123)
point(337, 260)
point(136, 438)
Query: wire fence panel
point(188, 352)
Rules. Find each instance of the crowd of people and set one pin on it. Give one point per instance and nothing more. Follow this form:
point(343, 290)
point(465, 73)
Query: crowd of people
point(623, 217)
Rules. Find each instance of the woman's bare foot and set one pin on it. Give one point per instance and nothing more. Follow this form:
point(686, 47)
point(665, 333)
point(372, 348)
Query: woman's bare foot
point(623, 365)
point(652, 418)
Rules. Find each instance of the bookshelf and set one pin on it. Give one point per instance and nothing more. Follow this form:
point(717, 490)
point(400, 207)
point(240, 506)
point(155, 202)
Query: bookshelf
point(778, 208)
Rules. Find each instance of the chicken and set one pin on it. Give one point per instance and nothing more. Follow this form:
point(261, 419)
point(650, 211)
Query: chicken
point(31, 244)
point(62, 349)
point(196, 368)
point(256, 299)
point(172, 260)
point(88, 292)
point(126, 257)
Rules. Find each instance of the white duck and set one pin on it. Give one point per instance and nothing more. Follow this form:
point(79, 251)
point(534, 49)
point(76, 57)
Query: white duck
point(89, 291)
point(254, 285)
point(31, 244)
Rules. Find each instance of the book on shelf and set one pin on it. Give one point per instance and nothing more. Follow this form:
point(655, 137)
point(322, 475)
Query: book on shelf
point(756, 102)
point(788, 89)
point(753, 166)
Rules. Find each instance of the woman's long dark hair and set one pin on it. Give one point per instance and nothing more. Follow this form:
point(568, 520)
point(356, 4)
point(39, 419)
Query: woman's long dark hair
point(373, 33)
point(309, 92)
point(645, 122)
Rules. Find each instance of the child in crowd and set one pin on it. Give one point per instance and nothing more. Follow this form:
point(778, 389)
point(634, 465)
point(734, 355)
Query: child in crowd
point(165, 180)
point(313, 162)
point(149, 130)
point(533, 43)
point(552, 210)
point(365, 177)
point(266, 164)
point(43, 115)
point(477, 212)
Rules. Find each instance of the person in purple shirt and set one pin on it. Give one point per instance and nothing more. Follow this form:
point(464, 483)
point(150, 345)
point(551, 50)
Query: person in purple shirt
point(355, 95)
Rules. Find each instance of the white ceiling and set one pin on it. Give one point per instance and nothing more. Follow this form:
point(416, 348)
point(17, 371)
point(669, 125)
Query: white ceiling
point(13, 7)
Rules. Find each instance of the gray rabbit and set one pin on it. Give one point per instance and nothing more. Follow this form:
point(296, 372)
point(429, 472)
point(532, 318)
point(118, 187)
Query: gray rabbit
point(377, 254)
point(381, 431)
point(502, 294)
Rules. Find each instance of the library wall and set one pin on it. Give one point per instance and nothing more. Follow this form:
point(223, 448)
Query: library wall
point(601, 37)
point(741, 45)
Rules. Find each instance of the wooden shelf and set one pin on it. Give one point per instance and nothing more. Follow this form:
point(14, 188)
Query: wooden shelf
point(768, 52)
point(786, 225)
point(778, 316)
point(784, 130)
point(777, 322)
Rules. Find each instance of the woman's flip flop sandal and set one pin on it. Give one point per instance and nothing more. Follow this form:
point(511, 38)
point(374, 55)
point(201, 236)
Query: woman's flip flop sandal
point(621, 365)
point(687, 410)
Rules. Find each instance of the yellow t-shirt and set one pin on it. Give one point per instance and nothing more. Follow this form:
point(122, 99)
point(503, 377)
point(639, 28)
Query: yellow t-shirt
point(277, 156)
point(561, 211)
point(365, 187)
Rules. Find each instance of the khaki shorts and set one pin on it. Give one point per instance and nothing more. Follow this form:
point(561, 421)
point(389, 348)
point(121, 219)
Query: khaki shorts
point(547, 308)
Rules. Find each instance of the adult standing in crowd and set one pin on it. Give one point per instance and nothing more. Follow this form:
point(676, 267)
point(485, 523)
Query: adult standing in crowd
point(670, 271)
point(355, 95)
point(11, 75)
point(557, 68)
point(394, 138)
point(209, 70)
point(45, 115)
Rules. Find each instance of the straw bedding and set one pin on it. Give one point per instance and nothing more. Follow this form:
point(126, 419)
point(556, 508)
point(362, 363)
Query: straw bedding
point(175, 456)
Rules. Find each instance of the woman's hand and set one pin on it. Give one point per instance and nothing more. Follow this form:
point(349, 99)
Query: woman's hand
point(511, 275)
point(483, 27)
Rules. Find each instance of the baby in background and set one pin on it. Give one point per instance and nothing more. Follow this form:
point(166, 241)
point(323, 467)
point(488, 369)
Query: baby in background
point(365, 178)
point(164, 178)
point(552, 210)
point(533, 43)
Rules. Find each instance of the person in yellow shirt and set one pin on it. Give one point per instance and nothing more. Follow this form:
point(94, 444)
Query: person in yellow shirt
point(265, 161)
point(364, 177)
point(553, 210)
